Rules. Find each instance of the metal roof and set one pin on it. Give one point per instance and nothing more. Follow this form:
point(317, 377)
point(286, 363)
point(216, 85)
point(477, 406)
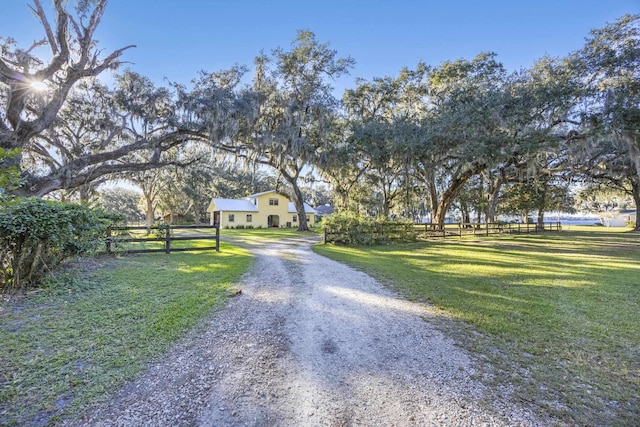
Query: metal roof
point(307, 208)
point(242, 205)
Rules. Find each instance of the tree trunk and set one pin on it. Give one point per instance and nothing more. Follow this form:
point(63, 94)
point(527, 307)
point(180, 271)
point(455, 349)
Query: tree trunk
point(634, 153)
point(149, 211)
point(298, 201)
point(440, 212)
point(492, 200)
point(542, 201)
point(302, 214)
point(386, 201)
point(636, 199)
point(85, 191)
point(433, 196)
point(450, 194)
point(389, 195)
point(466, 216)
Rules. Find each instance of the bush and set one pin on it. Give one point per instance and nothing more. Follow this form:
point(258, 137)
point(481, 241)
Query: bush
point(37, 235)
point(353, 229)
point(158, 230)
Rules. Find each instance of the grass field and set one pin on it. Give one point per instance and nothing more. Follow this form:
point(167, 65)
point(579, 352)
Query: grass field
point(558, 313)
point(78, 339)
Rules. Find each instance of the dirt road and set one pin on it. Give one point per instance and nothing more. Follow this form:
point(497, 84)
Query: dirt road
point(310, 342)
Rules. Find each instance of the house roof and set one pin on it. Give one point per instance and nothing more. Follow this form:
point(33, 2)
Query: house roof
point(253, 196)
point(307, 208)
point(242, 205)
point(324, 210)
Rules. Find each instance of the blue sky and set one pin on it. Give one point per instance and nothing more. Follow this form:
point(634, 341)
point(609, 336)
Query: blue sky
point(175, 39)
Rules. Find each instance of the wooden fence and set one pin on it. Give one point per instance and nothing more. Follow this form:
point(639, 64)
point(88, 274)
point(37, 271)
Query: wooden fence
point(393, 232)
point(370, 234)
point(161, 236)
point(485, 229)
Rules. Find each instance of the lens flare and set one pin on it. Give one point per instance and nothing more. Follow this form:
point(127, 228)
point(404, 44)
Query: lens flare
point(38, 86)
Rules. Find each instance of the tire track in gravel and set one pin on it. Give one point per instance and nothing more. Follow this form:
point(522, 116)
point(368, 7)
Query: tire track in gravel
point(311, 342)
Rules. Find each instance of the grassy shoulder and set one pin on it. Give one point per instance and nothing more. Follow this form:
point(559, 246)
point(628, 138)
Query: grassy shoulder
point(559, 313)
point(77, 340)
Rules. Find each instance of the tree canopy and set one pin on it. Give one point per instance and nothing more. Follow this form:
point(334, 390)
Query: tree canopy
point(464, 134)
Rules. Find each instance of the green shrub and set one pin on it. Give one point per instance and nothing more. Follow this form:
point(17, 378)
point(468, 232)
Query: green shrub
point(9, 173)
point(353, 229)
point(37, 235)
point(158, 230)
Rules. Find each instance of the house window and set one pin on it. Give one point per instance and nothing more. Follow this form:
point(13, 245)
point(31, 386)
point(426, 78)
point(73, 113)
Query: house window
point(295, 218)
point(232, 218)
point(249, 218)
point(308, 218)
point(273, 202)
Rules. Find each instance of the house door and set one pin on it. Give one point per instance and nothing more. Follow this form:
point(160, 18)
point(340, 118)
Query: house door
point(273, 221)
point(216, 218)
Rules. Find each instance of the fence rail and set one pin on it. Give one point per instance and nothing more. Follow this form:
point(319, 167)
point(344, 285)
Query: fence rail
point(164, 234)
point(435, 230)
point(483, 229)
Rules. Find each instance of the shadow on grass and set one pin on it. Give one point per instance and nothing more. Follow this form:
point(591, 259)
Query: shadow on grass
point(77, 340)
point(558, 312)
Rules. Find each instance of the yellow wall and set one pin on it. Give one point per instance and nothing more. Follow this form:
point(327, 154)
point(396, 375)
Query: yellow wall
point(260, 219)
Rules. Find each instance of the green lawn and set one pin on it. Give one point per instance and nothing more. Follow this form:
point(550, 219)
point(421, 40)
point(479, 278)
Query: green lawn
point(263, 235)
point(559, 313)
point(78, 340)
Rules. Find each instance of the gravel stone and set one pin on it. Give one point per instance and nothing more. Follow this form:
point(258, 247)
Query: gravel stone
point(311, 342)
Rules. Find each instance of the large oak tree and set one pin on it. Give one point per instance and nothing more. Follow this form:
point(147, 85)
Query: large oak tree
point(68, 129)
point(295, 112)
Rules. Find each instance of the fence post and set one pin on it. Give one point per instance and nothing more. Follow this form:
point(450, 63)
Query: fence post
point(487, 228)
point(167, 244)
point(218, 237)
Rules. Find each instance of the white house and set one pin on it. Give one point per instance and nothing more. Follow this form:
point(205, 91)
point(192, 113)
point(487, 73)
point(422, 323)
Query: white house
point(620, 218)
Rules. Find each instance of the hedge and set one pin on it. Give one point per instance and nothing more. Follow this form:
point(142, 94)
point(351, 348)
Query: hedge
point(36, 235)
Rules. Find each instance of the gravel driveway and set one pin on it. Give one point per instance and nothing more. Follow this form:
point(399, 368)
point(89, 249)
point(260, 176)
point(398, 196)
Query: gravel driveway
point(310, 342)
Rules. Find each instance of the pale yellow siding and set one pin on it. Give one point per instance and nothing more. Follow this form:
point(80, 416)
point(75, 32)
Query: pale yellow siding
point(265, 209)
point(273, 211)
